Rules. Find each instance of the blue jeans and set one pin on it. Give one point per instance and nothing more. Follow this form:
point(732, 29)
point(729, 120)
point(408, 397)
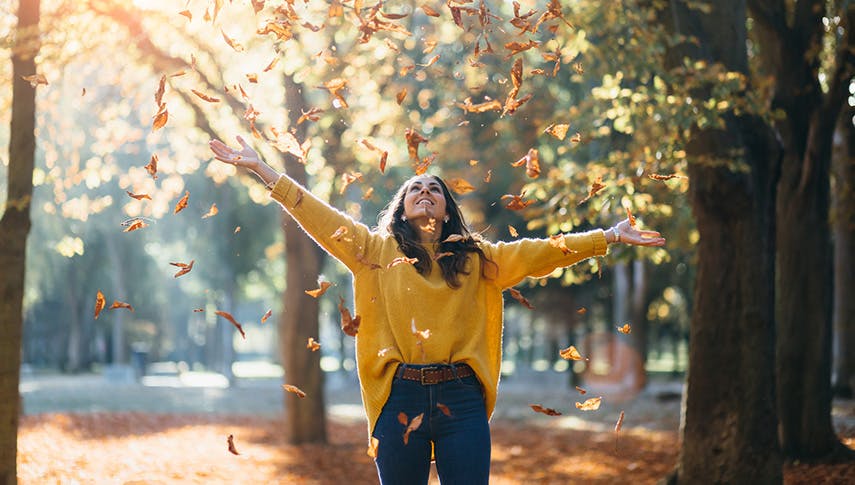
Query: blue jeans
point(461, 441)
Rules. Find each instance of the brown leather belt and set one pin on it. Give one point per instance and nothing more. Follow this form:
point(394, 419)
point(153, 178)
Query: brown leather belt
point(434, 374)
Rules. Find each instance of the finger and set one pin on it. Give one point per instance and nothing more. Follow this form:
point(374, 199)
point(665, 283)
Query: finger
point(242, 142)
point(649, 234)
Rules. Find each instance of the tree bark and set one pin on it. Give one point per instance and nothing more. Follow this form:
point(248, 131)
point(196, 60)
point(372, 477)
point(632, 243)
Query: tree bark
point(14, 228)
point(729, 419)
point(305, 418)
point(804, 280)
point(843, 223)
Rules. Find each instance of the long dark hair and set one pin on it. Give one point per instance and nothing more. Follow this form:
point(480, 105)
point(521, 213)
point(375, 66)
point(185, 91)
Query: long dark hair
point(452, 266)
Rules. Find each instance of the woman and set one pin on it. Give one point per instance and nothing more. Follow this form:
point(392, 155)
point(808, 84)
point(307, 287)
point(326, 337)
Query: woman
point(429, 294)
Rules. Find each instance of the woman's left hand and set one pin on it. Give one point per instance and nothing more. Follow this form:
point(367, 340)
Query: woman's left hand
point(628, 234)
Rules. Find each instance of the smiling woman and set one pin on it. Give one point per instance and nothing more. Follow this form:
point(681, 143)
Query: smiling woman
point(429, 330)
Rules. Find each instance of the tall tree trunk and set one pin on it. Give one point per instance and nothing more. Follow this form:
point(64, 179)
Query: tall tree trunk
point(638, 317)
point(14, 227)
point(305, 418)
point(729, 420)
point(843, 223)
point(790, 45)
point(119, 346)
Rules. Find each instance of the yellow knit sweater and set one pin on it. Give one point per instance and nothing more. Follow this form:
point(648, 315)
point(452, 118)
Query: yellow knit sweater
point(465, 323)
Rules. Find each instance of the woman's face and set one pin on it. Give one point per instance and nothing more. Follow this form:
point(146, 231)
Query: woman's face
point(424, 200)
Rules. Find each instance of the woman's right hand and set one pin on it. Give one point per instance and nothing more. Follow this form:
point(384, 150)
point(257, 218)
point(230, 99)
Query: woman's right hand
point(246, 157)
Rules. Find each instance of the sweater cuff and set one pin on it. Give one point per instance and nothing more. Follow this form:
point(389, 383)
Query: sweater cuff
point(282, 190)
point(598, 238)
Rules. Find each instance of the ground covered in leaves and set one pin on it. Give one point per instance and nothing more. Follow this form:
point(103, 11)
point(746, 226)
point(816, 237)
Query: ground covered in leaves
point(130, 447)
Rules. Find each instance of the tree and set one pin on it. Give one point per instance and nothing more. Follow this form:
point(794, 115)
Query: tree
point(14, 227)
point(729, 419)
point(792, 43)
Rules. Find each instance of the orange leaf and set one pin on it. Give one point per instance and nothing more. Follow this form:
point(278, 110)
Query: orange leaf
point(35, 79)
point(460, 186)
point(228, 316)
point(558, 131)
point(296, 390)
point(403, 419)
point(271, 65)
point(138, 196)
point(135, 224)
point(558, 241)
point(577, 138)
point(205, 97)
point(231, 42)
point(454, 238)
point(414, 425)
point(570, 353)
point(100, 302)
point(211, 212)
point(619, 422)
point(182, 203)
point(231, 442)
point(322, 288)
point(266, 315)
point(513, 231)
point(151, 168)
point(187, 14)
point(429, 11)
point(402, 94)
point(581, 391)
point(516, 202)
point(185, 268)
point(630, 217)
point(590, 405)
point(414, 139)
point(121, 304)
point(312, 115)
point(442, 407)
point(160, 118)
point(582, 311)
point(547, 411)
point(624, 329)
point(339, 233)
point(596, 186)
point(161, 89)
point(349, 325)
point(372, 447)
point(518, 296)
point(401, 260)
point(656, 176)
point(313, 344)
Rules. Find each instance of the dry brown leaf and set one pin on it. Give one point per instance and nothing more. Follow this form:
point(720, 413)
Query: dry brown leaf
point(581, 391)
point(160, 118)
point(231, 42)
point(100, 303)
point(513, 231)
point(211, 212)
point(460, 186)
point(558, 241)
point(520, 298)
point(570, 353)
point(266, 315)
point(442, 407)
point(121, 304)
point(138, 196)
point(596, 186)
point(558, 131)
point(322, 288)
point(312, 344)
point(349, 325)
point(185, 268)
point(182, 203)
point(516, 203)
point(414, 425)
point(454, 238)
point(205, 97)
point(151, 168)
point(401, 260)
point(624, 329)
point(35, 79)
point(656, 176)
point(135, 224)
point(228, 316)
point(231, 441)
point(547, 411)
point(590, 405)
point(294, 389)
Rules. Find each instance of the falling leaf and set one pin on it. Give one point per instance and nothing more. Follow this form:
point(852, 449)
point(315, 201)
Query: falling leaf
point(559, 242)
point(414, 425)
point(138, 196)
point(547, 411)
point(430, 227)
point(442, 407)
point(160, 118)
point(347, 179)
point(656, 176)
point(185, 268)
point(228, 316)
point(252, 77)
point(422, 166)
point(414, 139)
point(516, 202)
point(488, 176)
point(517, 47)
point(313, 344)
point(483, 107)
point(161, 89)
point(532, 163)
point(582, 311)
point(205, 97)
point(100, 302)
point(258, 5)
point(339, 233)
point(151, 168)
point(182, 203)
point(513, 231)
point(349, 325)
point(334, 86)
point(211, 212)
point(231, 42)
point(198, 310)
point(454, 238)
point(237, 230)
point(460, 186)
point(429, 11)
point(322, 288)
point(271, 65)
point(570, 353)
point(431, 61)
point(438, 256)
point(35, 79)
point(558, 131)
point(294, 389)
point(403, 418)
point(231, 442)
point(520, 298)
point(135, 224)
point(401, 95)
point(312, 115)
point(577, 138)
point(578, 68)
point(382, 352)
point(590, 405)
point(121, 304)
point(581, 391)
point(401, 260)
point(420, 335)
point(266, 315)
point(187, 14)
point(630, 217)
point(619, 423)
point(624, 329)
point(596, 186)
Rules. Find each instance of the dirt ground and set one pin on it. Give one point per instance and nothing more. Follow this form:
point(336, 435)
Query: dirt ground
point(134, 434)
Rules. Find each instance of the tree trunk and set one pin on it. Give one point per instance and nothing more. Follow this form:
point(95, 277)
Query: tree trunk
point(729, 420)
point(14, 227)
point(843, 223)
point(638, 317)
point(305, 419)
point(804, 252)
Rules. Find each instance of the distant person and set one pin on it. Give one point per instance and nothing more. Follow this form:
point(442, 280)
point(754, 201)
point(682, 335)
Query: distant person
point(450, 284)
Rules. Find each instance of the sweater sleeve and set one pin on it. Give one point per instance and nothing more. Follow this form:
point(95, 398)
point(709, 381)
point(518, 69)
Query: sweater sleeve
point(347, 240)
point(539, 257)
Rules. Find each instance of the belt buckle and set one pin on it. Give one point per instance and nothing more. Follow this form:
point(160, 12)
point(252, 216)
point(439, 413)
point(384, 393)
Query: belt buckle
point(422, 375)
